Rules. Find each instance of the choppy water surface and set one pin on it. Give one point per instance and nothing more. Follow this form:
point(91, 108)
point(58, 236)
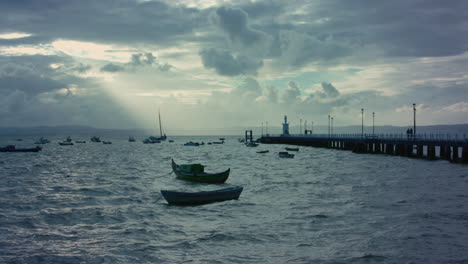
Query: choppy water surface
point(95, 203)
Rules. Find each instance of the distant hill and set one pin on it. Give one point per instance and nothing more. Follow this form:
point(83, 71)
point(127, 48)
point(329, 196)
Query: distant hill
point(459, 129)
point(68, 130)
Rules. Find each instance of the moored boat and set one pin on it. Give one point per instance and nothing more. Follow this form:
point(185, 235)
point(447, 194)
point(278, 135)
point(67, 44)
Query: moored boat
point(106, 142)
point(131, 139)
point(263, 151)
point(80, 141)
point(203, 197)
point(12, 148)
point(292, 149)
point(151, 140)
point(66, 143)
point(196, 172)
point(95, 139)
point(285, 154)
point(191, 143)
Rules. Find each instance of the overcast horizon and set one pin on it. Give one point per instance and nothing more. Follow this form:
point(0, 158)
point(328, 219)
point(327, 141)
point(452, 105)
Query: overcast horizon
point(212, 64)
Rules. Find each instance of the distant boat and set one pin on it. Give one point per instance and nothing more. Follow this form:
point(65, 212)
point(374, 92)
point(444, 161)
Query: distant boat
point(191, 143)
point(95, 139)
point(19, 139)
point(12, 148)
point(170, 140)
point(106, 142)
point(203, 197)
point(222, 139)
point(66, 143)
point(162, 136)
point(263, 151)
point(220, 142)
point(196, 172)
point(151, 140)
point(80, 141)
point(292, 149)
point(285, 154)
point(42, 140)
point(68, 139)
point(131, 139)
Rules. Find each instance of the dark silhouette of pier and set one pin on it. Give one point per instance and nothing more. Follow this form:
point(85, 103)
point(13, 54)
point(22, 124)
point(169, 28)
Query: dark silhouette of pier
point(430, 147)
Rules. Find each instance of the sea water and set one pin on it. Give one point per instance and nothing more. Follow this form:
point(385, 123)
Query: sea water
point(96, 203)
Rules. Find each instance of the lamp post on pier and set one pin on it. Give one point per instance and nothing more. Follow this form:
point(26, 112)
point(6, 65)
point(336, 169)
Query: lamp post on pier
point(331, 126)
point(362, 122)
point(414, 120)
point(328, 125)
point(312, 128)
point(373, 124)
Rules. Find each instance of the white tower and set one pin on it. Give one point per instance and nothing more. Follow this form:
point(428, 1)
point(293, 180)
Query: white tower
point(285, 126)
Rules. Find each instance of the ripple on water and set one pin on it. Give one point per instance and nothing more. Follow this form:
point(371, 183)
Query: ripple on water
point(323, 206)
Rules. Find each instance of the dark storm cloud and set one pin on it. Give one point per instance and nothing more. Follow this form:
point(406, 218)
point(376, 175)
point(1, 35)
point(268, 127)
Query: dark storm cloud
point(29, 74)
point(123, 21)
point(398, 28)
point(234, 22)
point(23, 79)
point(226, 64)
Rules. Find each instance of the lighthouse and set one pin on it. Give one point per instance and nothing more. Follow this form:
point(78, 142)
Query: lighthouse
point(285, 127)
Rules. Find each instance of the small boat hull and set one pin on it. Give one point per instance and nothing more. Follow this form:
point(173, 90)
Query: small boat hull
point(204, 197)
point(12, 148)
point(200, 177)
point(284, 154)
point(292, 149)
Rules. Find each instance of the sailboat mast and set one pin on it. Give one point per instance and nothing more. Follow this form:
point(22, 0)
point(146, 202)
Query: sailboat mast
point(160, 128)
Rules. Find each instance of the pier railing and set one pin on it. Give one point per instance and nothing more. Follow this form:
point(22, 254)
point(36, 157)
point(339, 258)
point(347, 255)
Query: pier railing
point(383, 136)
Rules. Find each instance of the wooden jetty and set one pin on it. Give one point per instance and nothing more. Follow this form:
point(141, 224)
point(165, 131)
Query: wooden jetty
point(431, 147)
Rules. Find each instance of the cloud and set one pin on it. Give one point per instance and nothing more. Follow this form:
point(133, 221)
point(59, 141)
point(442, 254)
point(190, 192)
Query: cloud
point(111, 67)
point(270, 95)
point(249, 90)
point(234, 22)
point(292, 93)
point(105, 21)
point(329, 90)
point(458, 107)
point(137, 60)
point(142, 59)
point(226, 64)
point(298, 50)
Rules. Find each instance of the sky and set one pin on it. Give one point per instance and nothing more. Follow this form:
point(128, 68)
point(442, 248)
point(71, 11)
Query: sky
point(208, 64)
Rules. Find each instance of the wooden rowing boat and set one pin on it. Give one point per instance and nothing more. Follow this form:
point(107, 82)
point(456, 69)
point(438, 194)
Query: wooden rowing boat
point(203, 197)
point(196, 172)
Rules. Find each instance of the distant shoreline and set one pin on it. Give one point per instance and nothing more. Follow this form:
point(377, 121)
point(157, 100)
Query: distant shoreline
point(458, 129)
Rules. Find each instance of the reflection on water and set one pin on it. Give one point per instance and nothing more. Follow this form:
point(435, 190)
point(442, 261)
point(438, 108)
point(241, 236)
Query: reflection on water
point(95, 203)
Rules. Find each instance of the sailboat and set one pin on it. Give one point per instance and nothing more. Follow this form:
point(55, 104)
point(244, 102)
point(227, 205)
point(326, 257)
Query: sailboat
point(161, 135)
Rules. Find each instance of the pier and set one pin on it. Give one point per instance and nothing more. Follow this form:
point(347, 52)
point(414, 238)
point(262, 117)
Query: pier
point(423, 146)
point(420, 146)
